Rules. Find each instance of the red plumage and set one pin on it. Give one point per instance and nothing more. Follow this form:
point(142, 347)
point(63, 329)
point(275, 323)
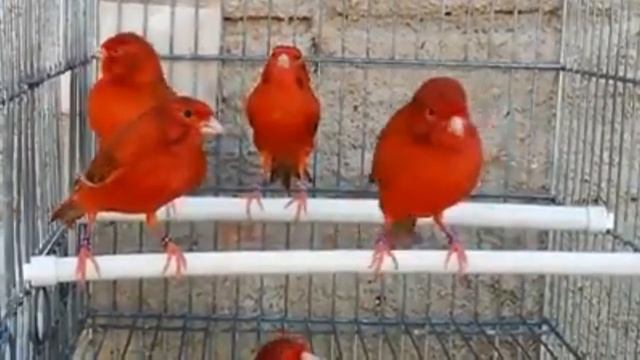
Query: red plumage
point(284, 114)
point(286, 347)
point(148, 163)
point(427, 159)
point(131, 83)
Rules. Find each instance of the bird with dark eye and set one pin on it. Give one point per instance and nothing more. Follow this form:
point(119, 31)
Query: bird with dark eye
point(187, 113)
point(431, 112)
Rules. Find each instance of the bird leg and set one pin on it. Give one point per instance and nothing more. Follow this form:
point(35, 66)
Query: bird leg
point(455, 246)
point(299, 197)
point(256, 194)
point(172, 250)
point(383, 247)
point(84, 252)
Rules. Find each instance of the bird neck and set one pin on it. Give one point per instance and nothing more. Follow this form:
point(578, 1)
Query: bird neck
point(283, 78)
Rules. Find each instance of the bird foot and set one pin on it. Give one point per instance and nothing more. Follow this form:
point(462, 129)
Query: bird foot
point(382, 249)
point(300, 198)
point(173, 251)
point(251, 197)
point(84, 255)
point(455, 247)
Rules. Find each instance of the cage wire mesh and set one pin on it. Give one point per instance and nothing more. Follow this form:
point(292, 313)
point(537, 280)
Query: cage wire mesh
point(558, 81)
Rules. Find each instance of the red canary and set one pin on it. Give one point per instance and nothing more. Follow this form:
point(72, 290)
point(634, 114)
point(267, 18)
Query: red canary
point(286, 348)
point(427, 159)
point(148, 163)
point(132, 82)
point(284, 114)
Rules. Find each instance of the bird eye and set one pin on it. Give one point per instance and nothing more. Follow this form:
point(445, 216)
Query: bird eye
point(430, 112)
point(187, 113)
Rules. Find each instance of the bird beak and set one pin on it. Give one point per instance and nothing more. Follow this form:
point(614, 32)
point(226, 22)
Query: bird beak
point(100, 54)
point(309, 356)
point(212, 127)
point(283, 61)
point(457, 125)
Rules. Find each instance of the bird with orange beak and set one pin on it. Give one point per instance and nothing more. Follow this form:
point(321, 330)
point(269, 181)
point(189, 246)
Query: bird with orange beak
point(428, 158)
point(131, 82)
point(284, 114)
point(146, 164)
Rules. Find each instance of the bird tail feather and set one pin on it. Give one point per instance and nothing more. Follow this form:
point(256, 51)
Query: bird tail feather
point(285, 171)
point(68, 212)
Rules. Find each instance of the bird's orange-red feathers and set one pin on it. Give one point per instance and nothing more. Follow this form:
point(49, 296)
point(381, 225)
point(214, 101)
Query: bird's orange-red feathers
point(284, 113)
point(429, 155)
point(284, 348)
point(149, 162)
point(131, 83)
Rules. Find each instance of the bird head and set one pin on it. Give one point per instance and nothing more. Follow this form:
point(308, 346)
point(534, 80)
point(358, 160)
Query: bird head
point(286, 66)
point(197, 113)
point(285, 56)
point(129, 56)
point(442, 102)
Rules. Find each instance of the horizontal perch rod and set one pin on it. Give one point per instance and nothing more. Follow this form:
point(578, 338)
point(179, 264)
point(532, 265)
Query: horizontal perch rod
point(501, 215)
point(48, 270)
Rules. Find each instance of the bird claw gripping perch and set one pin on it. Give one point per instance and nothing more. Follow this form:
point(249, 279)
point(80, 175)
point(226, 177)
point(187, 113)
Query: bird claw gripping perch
point(300, 198)
point(84, 255)
point(382, 248)
point(455, 247)
point(256, 193)
point(252, 196)
point(173, 251)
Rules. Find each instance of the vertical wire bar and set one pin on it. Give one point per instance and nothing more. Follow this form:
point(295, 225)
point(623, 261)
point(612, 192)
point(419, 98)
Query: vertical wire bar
point(634, 148)
point(145, 18)
point(9, 128)
point(29, 200)
point(636, 220)
point(339, 138)
point(551, 289)
point(194, 89)
point(589, 45)
point(21, 173)
point(508, 136)
point(294, 21)
point(600, 64)
point(592, 170)
point(614, 288)
point(467, 34)
point(167, 226)
point(573, 117)
point(365, 114)
point(533, 98)
point(600, 181)
point(590, 14)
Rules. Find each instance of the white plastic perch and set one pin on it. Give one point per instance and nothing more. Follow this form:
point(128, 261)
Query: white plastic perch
point(48, 270)
point(520, 216)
